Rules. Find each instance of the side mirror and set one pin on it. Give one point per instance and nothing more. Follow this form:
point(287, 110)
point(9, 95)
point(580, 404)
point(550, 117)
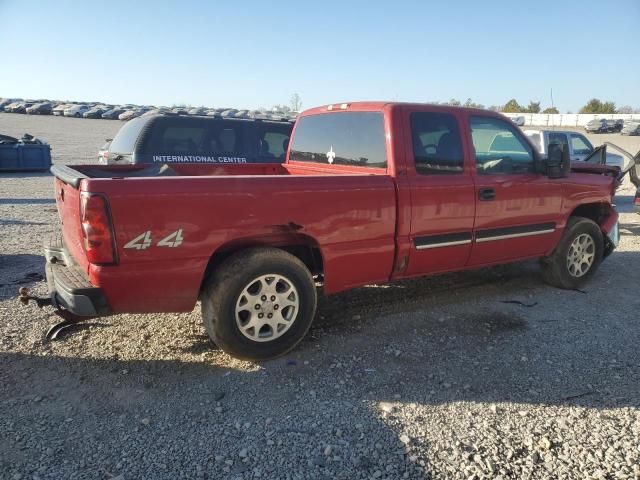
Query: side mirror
point(558, 162)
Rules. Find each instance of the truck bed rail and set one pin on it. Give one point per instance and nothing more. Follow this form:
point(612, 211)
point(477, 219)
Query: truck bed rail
point(68, 175)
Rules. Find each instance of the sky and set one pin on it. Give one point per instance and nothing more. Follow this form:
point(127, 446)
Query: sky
point(251, 54)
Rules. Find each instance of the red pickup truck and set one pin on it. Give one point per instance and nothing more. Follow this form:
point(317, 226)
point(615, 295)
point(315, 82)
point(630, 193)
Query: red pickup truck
point(370, 192)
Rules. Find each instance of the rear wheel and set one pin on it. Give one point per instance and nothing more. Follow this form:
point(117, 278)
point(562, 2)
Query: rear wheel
point(259, 303)
point(577, 256)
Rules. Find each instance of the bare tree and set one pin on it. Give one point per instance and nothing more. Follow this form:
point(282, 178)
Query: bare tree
point(296, 102)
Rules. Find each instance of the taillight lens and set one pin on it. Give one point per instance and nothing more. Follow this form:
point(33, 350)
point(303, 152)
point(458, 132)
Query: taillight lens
point(637, 201)
point(97, 231)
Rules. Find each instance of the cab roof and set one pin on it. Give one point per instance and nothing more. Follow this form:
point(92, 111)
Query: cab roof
point(381, 105)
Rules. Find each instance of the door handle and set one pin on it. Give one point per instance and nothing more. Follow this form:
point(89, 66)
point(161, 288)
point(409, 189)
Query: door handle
point(487, 194)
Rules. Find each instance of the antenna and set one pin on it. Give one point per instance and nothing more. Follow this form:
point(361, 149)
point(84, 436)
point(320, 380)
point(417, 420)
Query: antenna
point(552, 105)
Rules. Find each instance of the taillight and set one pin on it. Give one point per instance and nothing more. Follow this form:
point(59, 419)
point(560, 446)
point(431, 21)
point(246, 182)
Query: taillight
point(637, 200)
point(97, 231)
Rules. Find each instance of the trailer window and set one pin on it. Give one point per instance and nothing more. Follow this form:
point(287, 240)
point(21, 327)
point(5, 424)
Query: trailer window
point(341, 138)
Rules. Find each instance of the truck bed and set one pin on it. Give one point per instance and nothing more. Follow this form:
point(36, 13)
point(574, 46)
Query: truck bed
point(72, 175)
point(349, 212)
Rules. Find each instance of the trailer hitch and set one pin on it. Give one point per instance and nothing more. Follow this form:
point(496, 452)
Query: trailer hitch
point(25, 297)
point(68, 319)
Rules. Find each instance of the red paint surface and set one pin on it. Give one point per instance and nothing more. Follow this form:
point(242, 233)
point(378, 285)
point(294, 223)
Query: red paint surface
point(363, 221)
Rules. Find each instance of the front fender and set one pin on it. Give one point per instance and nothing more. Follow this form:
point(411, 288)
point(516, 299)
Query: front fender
point(611, 231)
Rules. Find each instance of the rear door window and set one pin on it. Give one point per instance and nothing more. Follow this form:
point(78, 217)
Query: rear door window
point(437, 148)
point(189, 140)
point(341, 138)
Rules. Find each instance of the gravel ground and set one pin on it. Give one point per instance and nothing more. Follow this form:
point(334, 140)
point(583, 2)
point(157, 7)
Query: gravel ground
point(434, 378)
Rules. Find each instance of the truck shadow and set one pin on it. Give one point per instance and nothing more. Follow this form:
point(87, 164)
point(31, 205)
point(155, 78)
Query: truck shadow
point(25, 173)
point(26, 201)
point(421, 345)
point(630, 228)
point(624, 203)
point(19, 270)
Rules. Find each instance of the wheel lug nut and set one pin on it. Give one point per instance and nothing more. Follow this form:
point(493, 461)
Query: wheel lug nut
point(270, 315)
point(273, 297)
point(260, 315)
point(257, 306)
point(276, 306)
point(263, 298)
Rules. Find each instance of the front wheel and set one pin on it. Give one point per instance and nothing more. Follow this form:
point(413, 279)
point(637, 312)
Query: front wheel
point(259, 303)
point(577, 256)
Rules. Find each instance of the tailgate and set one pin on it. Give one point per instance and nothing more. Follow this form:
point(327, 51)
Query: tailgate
point(67, 192)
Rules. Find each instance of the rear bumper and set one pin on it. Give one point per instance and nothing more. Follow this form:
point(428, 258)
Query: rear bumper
point(69, 286)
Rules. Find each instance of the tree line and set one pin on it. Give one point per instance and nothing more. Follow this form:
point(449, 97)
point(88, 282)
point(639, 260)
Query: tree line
point(594, 105)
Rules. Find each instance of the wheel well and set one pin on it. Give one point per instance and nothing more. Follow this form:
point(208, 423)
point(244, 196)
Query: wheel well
point(593, 211)
point(308, 253)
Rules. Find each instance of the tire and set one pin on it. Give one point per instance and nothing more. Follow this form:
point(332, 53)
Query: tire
point(558, 270)
point(237, 289)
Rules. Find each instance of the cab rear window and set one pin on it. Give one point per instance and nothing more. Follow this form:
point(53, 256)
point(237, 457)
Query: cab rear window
point(341, 138)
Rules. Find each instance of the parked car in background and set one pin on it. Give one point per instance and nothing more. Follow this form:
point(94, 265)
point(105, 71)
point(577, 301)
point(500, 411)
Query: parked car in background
point(133, 113)
point(171, 138)
point(76, 111)
point(615, 125)
point(44, 108)
point(631, 127)
point(198, 111)
point(601, 125)
point(9, 108)
point(5, 102)
point(95, 112)
point(597, 125)
point(59, 109)
point(21, 107)
point(579, 146)
point(113, 113)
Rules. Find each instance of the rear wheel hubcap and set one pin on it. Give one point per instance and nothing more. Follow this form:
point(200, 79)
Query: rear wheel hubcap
point(267, 307)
